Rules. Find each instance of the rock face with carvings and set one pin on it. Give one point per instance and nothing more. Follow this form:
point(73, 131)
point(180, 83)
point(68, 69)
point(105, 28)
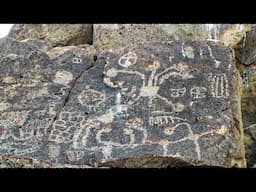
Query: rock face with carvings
point(55, 34)
point(113, 36)
point(146, 105)
point(34, 87)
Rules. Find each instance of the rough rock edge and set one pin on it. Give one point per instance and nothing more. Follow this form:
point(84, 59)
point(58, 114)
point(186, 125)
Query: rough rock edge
point(238, 161)
point(17, 162)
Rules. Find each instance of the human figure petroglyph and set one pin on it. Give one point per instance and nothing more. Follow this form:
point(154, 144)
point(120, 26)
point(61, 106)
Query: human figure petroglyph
point(219, 85)
point(150, 84)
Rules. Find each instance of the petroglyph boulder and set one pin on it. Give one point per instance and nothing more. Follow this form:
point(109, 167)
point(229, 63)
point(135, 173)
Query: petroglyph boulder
point(55, 34)
point(146, 105)
point(187, 96)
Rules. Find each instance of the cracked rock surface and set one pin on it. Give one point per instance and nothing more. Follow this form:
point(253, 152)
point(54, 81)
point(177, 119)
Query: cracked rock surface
point(34, 87)
point(146, 105)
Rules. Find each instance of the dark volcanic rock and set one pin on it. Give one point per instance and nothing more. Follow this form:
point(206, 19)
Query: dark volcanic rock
point(185, 98)
point(149, 105)
point(161, 105)
point(33, 89)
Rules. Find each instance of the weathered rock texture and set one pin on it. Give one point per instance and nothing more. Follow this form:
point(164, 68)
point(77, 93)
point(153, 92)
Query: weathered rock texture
point(246, 49)
point(246, 60)
point(147, 105)
point(33, 89)
point(55, 34)
point(112, 36)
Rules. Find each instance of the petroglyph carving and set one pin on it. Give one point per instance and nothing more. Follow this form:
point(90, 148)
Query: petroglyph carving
point(16, 117)
point(219, 85)
point(63, 77)
point(91, 98)
point(179, 70)
point(130, 126)
point(18, 151)
point(23, 134)
point(74, 155)
point(64, 127)
point(22, 137)
point(170, 130)
point(198, 92)
point(217, 62)
point(163, 119)
point(103, 131)
point(40, 113)
point(177, 92)
point(187, 51)
point(81, 135)
point(77, 60)
point(33, 129)
point(150, 85)
point(54, 151)
point(5, 126)
point(192, 136)
point(127, 59)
